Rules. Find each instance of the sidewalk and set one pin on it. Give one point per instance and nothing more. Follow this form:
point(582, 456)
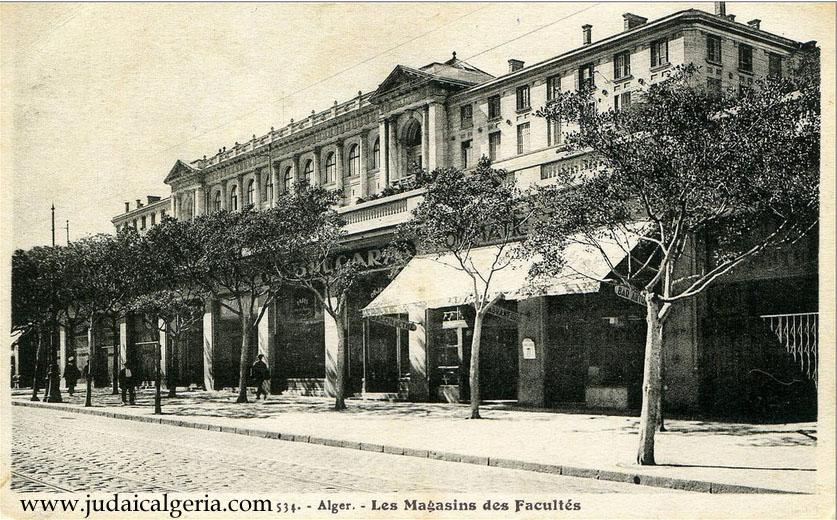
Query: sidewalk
point(701, 456)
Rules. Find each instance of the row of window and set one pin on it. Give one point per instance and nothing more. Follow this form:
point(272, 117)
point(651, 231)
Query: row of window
point(141, 222)
point(554, 138)
point(745, 56)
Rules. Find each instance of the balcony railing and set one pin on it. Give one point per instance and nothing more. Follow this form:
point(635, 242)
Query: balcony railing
point(394, 205)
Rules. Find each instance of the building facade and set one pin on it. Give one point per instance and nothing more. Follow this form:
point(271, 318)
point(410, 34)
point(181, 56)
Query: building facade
point(573, 347)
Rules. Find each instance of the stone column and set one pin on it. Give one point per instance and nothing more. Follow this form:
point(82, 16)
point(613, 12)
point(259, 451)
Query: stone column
point(383, 140)
point(316, 180)
point(173, 203)
point(224, 195)
point(364, 165)
point(436, 137)
point(418, 349)
point(242, 197)
point(295, 173)
point(266, 335)
point(531, 378)
point(425, 137)
point(123, 341)
point(274, 178)
point(338, 159)
point(200, 201)
point(210, 322)
point(330, 354)
point(392, 154)
point(257, 193)
point(164, 348)
point(62, 348)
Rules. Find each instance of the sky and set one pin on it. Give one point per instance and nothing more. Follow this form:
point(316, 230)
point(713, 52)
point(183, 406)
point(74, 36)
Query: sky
point(99, 100)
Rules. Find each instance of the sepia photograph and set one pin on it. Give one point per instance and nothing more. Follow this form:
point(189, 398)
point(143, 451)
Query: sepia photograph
point(417, 260)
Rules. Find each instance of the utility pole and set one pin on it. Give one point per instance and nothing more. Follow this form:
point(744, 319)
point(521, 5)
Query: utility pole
point(68, 232)
point(54, 388)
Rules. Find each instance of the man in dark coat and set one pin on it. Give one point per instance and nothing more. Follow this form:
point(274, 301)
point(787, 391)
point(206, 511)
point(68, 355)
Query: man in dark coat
point(260, 375)
point(71, 374)
point(127, 381)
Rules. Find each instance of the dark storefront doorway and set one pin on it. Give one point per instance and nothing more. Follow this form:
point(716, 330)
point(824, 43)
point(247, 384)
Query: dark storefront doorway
point(300, 338)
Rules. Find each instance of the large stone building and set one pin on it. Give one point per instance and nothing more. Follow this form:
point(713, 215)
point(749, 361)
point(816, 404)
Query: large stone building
point(573, 346)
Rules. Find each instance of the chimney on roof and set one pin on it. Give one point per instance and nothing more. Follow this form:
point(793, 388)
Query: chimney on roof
point(731, 17)
point(127, 206)
point(587, 33)
point(515, 65)
point(721, 8)
point(633, 20)
point(153, 198)
point(755, 24)
point(139, 203)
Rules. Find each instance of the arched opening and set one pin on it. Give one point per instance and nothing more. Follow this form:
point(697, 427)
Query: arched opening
point(216, 203)
point(412, 146)
point(376, 154)
point(308, 172)
point(267, 195)
point(354, 161)
point(287, 179)
point(234, 198)
point(330, 169)
point(251, 192)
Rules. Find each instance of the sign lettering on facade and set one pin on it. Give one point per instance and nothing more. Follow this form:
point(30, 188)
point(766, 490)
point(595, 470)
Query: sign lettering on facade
point(368, 260)
point(505, 314)
point(394, 322)
point(629, 294)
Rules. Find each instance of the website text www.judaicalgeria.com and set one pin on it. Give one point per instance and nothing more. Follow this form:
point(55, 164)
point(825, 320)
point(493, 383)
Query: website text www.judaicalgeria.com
point(176, 507)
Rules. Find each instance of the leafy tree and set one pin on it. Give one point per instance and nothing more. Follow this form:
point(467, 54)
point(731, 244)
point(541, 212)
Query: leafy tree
point(740, 171)
point(220, 257)
point(302, 236)
point(102, 276)
point(460, 212)
point(31, 302)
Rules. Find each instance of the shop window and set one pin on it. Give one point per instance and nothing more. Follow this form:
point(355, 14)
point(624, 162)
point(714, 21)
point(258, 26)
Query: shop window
point(494, 107)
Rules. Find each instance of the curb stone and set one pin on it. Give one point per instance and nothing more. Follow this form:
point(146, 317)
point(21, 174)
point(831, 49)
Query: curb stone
point(556, 469)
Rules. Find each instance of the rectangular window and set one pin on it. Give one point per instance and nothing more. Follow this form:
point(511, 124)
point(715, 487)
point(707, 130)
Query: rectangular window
point(713, 49)
point(622, 65)
point(745, 58)
point(466, 154)
point(553, 132)
point(774, 65)
point(162, 214)
point(713, 85)
point(142, 223)
point(553, 87)
point(494, 146)
point(522, 138)
point(659, 53)
point(621, 101)
point(585, 77)
point(523, 97)
point(494, 107)
point(153, 218)
point(466, 116)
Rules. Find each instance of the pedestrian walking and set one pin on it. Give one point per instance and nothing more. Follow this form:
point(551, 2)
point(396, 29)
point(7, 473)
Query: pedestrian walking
point(127, 382)
point(71, 374)
point(260, 375)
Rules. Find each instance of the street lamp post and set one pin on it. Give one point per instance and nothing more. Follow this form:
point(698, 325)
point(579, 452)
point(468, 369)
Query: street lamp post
point(54, 388)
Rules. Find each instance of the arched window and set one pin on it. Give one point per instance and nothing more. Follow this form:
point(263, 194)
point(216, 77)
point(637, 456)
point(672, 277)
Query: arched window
point(354, 161)
point(376, 154)
point(412, 144)
point(267, 194)
point(234, 198)
point(251, 192)
point(308, 172)
point(216, 203)
point(330, 168)
point(287, 179)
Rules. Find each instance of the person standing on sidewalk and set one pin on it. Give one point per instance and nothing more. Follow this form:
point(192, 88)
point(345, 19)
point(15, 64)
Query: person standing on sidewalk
point(71, 374)
point(260, 375)
point(127, 383)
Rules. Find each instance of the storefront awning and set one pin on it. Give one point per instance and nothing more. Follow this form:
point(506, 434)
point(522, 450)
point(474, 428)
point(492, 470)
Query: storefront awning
point(438, 280)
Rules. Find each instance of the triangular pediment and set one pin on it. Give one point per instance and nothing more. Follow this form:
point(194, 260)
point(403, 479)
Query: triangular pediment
point(179, 169)
point(401, 77)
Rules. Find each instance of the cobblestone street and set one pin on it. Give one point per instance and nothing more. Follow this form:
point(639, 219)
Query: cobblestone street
point(54, 451)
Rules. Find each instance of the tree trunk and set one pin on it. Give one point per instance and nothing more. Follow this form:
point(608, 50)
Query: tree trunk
point(474, 378)
point(244, 360)
point(171, 357)
point(53, 394)
point(340, 391)
point(117, 341)
point(91, 363)
point(39, 360)
point(651, 382)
